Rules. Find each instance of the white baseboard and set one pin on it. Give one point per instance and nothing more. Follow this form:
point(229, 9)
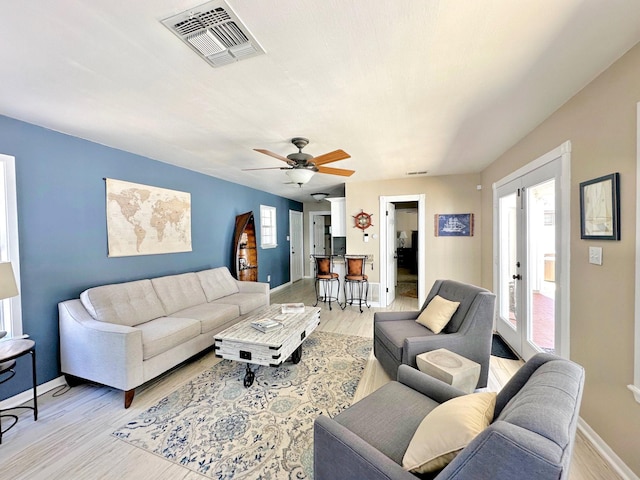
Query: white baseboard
point(606, 452)
point(280, 287)
point(27, 395)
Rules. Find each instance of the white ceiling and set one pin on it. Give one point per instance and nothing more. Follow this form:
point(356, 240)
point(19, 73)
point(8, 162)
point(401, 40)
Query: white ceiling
point(402, 85)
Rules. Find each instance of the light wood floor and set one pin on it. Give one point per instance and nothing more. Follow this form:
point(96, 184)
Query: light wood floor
point(72, 437)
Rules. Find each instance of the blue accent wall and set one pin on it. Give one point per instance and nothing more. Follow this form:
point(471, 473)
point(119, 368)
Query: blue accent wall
point(63, 230)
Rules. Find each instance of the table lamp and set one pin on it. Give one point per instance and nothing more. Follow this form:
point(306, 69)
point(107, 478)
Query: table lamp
point(8, 286)
point(403, 236)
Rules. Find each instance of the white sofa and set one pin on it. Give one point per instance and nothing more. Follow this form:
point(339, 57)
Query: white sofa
point(123, 335)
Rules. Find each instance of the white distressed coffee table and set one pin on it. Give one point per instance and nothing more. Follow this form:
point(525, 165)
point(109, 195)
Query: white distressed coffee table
point(243, 343)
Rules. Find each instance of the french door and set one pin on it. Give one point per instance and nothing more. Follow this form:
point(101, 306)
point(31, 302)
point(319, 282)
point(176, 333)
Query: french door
point(528, 250)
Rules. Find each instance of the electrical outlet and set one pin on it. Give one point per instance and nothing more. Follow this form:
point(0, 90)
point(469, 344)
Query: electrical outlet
point(268, 278)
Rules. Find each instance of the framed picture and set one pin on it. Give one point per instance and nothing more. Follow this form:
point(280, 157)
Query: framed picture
point(600, 208)
point(453, 225)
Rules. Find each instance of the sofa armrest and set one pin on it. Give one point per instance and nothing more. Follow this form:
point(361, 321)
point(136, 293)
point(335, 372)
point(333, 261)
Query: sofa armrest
point(427, 385)
point(505, 451)
point(387, 316)
point(102, 352)
point(340, 453)
point(253, 287)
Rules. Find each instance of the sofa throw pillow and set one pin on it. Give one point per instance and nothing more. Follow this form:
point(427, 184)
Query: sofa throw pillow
point(446, 430)
point(437, 313)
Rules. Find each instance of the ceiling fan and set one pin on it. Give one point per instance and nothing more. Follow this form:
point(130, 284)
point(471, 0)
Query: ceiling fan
point(302, 166)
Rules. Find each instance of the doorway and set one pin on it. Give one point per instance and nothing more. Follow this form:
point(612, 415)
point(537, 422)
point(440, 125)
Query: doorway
point(391, 273)
point(295, 244)
point(406, 238)
point(530, 249)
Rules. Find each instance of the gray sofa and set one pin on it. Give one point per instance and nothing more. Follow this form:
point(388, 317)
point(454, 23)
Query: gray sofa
point(531, 436)
point(123, 335)
point(398, 338)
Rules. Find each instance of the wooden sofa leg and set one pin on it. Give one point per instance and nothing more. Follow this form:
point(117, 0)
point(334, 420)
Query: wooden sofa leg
point(128, 397)
point(73, 381)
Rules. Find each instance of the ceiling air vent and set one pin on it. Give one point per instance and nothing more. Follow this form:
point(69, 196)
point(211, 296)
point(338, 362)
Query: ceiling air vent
point(215, 32)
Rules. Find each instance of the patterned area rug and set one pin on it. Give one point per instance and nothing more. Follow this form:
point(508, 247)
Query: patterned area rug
point(217, 427)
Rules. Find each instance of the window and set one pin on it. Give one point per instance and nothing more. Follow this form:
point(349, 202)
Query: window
point(268, 230)
point(10, 308)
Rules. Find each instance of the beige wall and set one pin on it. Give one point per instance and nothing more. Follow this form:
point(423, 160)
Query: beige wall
point(600, 122)
point(446, 257)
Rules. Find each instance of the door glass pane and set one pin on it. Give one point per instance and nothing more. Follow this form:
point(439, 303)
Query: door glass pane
point(541, 214)
point(507, 209)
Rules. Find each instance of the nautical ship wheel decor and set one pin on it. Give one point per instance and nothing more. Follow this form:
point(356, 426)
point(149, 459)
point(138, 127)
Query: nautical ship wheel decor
point(363, 220)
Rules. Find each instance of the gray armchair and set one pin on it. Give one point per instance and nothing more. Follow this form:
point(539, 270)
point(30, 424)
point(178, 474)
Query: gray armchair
point(398, 339)
point(532, 432)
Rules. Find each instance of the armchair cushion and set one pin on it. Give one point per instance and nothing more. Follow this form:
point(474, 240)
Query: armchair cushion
point(447, 430)
point(437, 313)
point(388, 430)
point(393, 334)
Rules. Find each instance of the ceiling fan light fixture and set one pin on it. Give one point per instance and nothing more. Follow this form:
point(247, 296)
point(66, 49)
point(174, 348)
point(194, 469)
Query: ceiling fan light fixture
point(300, 175)
point(318, 197)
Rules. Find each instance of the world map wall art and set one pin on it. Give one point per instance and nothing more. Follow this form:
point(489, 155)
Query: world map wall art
point(145, 220)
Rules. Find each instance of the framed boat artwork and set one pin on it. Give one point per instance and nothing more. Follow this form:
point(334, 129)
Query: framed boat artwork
point(453, 225)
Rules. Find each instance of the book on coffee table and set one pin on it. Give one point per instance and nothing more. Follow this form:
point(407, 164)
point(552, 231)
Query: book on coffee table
point(292, 308)
point(266, 325)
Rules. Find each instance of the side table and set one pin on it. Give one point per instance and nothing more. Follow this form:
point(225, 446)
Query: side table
point(10, 350)
point(451, 368)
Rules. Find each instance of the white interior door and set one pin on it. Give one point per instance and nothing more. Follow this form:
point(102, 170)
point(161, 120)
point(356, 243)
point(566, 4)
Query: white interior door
point(295, 242)
point(392, 258)
point(528, 247)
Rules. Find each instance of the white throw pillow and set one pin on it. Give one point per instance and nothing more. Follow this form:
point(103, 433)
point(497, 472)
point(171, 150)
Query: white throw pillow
point(446, 430)
point(437, 314)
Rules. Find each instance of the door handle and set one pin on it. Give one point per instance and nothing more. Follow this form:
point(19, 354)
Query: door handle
point(517, 277)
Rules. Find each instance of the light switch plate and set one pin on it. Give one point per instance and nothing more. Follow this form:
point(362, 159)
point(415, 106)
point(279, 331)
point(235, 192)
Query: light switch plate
point(595, 255)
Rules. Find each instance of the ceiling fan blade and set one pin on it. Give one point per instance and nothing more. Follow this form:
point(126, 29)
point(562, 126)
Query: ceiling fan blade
point(336, 171)
point(274, 155)
point(330, 157)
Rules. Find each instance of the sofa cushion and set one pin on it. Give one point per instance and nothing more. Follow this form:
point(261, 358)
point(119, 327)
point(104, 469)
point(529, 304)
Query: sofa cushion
point(129, 303)
point(217, 283)
point(245, 301)
point(546, 401)
point(437, 314)
point(177, 292)
point(211, 315)
point(392, 334)
point(164, 333)
point(446, 430)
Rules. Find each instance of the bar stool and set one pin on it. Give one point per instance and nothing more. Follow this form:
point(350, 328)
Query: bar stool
point(356, 280)
point(325, 279)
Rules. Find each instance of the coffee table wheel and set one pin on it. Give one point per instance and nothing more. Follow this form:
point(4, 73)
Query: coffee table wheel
point(249, 377)
point(297, 355)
